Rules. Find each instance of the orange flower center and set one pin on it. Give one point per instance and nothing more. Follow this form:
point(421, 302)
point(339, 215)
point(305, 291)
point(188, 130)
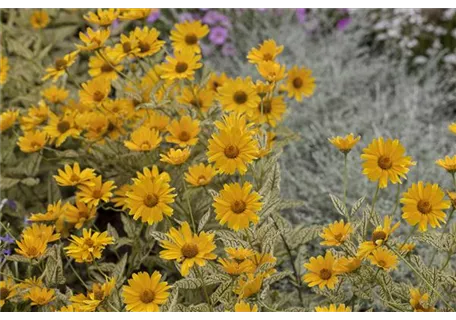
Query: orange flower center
point(267, 57)
point(143, 46)
point(231, 151)
point(181, 67)
point(4, 292)
point(98, 96)
point(266, 107)
point(147, 296)
point(297, 83)
point(107, 68)
point(196, 103)
point(378, 235)
point(385, 162)
point(238, 206)
point(150, 200)
point(126, 46)
point(202, 179)
point(424, 206)
point(146, 146)
point(184, 136)
point(191, 39)
point(63, 126)
point(325, 274)
point(97, 194)
point(381, 263)
point(32, 251)
point(89, 242)
point(60, 64)
point(189, 250)
point(35, 145)
point(240, 97)
point(74, 177)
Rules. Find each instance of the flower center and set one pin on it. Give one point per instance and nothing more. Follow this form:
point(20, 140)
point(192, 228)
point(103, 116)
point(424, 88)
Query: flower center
point(89, 242)
point(63, 126)
point(266, 107)
point(107, 68)
point(240, 97)
point(267, 57)
point(381, 263)
point(238, 206)
point(4, 292)
point(145, 146)
point(191, 39)
point(338, 237)
point(181, 67)
point(147, 296)
point(196, 103)
point(74, 177)
point(189, 250)
point(40, 300)
point(143, 46)
point(325, 274)
point(184, 136)
point(97, 194)
point(385, 162)
point(150, 200)
point(202, 179)
point(297, 83)
point(32, 251)
point(35, 145)
point(98, 96)
point(231, 152)
point(378, 235)
point(424, 206)
point(126, 46)
point(60, 64)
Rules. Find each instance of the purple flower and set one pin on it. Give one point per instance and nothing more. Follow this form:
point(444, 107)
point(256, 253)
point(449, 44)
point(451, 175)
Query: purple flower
point(7, 238)
point(342, 24)
point(301, 15)
point(12, 204)
point(211, 17)
point(228, 50)
point(153, 16)
point(6, 252)
point(186, 16)
point(218, 35)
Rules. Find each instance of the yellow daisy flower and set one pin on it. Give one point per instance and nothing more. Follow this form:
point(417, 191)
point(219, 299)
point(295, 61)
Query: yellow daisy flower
point(40, 296)
point(336, 233)
point(215, 81)
point(4, 68)
point(156, 120)
point(135, 14)
point(89, 247)
point(345, 144)
point(36, 115)
point(405, 248)
point(300, 83)
point(248, 285)
point(235, 120)
point(32, 141)
point(452, 127)
point(238, 95)
point(148, 42)
point(449, 164)
point(175, 156)
point(102, 17)
point(42, 232)
point(423, 205)
point(30, 283)
point(235, 268)
point(239, 254)
point(98, 293)
point(120, 196)
point(183, 132)
point(95, 91)
point(93, 39)
point(70, 308)
point(55, 94)
point(237, 205)
point(347, 265)
point(267, 51)
point(199, 98)
point(61, 128)
point(452, 196)
point(79, 214)
point(7, 291)
point(8, 119)
point(261, 259)
point(419, 301)
point(105, 64)
point(383, 258)
point(54, 213)
point(31, 247)
point(39, 19)
point(271, 71)
point(74, 176)
point(200, 174)
point(321, 271)
point(266, 143)
point(188, 248)
point(186, 35)
point(152, 175)
point(385, 161)
point(181, 66)
point(333, 308)
point(245, 307)
point(269, 111)
point(128, 46)
point(145, 293)
point(92, 194)
point(60, 66)
point(143, 139)
point(379, 237)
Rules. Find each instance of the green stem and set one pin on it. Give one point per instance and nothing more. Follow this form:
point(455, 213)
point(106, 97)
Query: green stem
point(398, 194)
point(198, 272)
point(190, 211)
point(441, 237)
point(7, 230)
point(345, 180)
point(374, 199)
point(78, 276)
point(411, 233)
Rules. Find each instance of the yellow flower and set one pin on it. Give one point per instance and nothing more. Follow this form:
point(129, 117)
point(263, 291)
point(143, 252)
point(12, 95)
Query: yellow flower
point(449, 164)
point(235, 120)
point(216, 81)
point(300, 83)
point(333, 308)
point(347, 265)
point(419, 301)
point(145, 293)
point(61, 128)
point(199, 98)
point(261, 259)
point(184, 132)
point(234, 267)
point(148, 42)
point(32, 141)
point(92, 194)
point(245, 307)
point(232, 150)
point(452, 196)
point(4, 68)
point(149, 200)
point(42, 232)
point(155, 120)
point(60, 66)
point(128, 46)
point(239, 254)
point(379, 237)
point(89, 247)
point(452, 127)
point(383, 258)
point(30, 283)
point(70, 308)
point(186, 35)
point(188, 248)
point(74, 176)
point(135, 14)
point(336, 233)
point(55, 94)
point(102, 17)
point(7, 291)
point(423, 205)
point(121, 196)
point(345, 144)
point(54, 213)
point(322, 271)
point(40, 296)
point(385, 161)
point(143, 139)
point(91, 301)
point(200, 174)
point(7, 119)
point(93, 39)
point(248, 285)
point(405, 248)
point(79, 214)
point(31, 247)
point(237, 205)
point(239, 95)
point(39, 19)
point(271, 71)
point(105, 64)
point(151, 175)
point(35, 116)
point(175, 156)
point(181, 66)
point(95, 91)
point(268, 51)
point(269, 110)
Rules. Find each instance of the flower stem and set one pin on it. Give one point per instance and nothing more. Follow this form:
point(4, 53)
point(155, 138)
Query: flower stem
point(198, 272)
point(190, 211)
point(396, 205)
point(345, 180)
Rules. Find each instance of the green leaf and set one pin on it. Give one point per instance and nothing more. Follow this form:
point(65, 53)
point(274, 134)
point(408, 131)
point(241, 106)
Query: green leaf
point(357, 205)
point(53, 273)
point(204, 219)
point(17, 258)
point(30, 182)
point(339, 205)
point(7, 183)
point(171, 303)
point(159, 236)
point(129, 225)
point(53, 190)
point(119, 269)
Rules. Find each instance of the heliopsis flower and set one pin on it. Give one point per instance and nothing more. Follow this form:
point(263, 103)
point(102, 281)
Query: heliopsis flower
point(452, 196)
point(181, 66)
point(148, 42)
point(128, 46)
point(235, 120)
point(271, 71)
point(449, 164)
point(55, 94)
point(74, 176)
point(235, 267)
point(4, 68)
point(7, 291)
point(239, 95)
point(385, 161)
point(452, 127)
point(152, 175)
point(199, 98)
point(32, 141)
point(405, 248)
point(36, 115)
point(419, 301)
point(379, 237)
point(54, 213)
point(149, 200)
point(155, 120)
point(7, 119)
point(92, 194)
point(31, 247)
point(143, 139)
point(79, 213)
point(42, 232)
point(105, 64)
point(383, 258)
point(39, 19)
point(60, 66)
point(248, 285)
point(61, 128)
point(300, 83)
point(71, 308)
point(186, 35)
point(345, 144)
point(183, 132)
point(95, 91)
point(89, 247)
point(145, 293)
point(120, 196)
point(102, 17)
point(333, 308)
point(267, 51)
point(261, 259)
point(175, 156)
point(347, 265)
point(216, 81)
point(423, 205)
point(93, 39)
point(237, 205)
point(245, 307)
point(98, 293)
point(200, 174)
point(266, 143)
point(232, 150)
point(135, 14)
point(269, 111)
point(239, 254)
point(40, 296)
point(322, 271)
point(188, 248)
point(30, 283)
point(336, 233)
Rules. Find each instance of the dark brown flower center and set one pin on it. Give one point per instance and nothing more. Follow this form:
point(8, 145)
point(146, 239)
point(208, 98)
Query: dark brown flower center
point(297, 83)
point(385, 162)
point(60, 64)
point(424, 206)
point(378, 235)
point(196, 103)
point(4, 292)
point(231, 151)
point(107, 68)
point(74, 177)
point(181, 67)
point(191, 39)
point(32, 251)
point(267, 57)
point(325, 274)
point(97, 194)
point(338, 237)
point(238, 206)
point(98, 294)
point(143, 46)
point(98, 96)
point(147, 296)
point(89, 242)
point(189, 250)
point(381, 263)
point(63, 126)
point(126, 47)
point(240, 97)
point(265, 107)
point(184, 136)
point(150, 200)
